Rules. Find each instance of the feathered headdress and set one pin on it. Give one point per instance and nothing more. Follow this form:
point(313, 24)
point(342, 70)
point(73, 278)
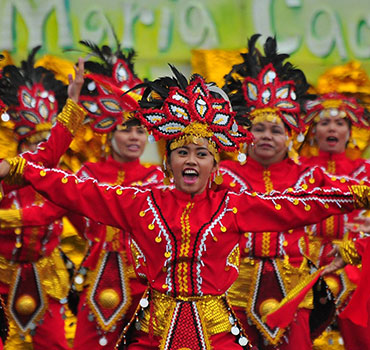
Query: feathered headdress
point(34, 98)
point(102, 94)
point(264, 87)
point(183, 112)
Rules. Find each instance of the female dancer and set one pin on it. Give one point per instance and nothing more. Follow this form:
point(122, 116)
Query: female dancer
point(271, 92)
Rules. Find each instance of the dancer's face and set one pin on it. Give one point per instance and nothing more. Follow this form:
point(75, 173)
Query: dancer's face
point(332, 134)
point(128, 144)
point(269, 143)
point(192, 166)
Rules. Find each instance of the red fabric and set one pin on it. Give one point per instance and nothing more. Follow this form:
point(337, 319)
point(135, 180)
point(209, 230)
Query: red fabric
point(87, 336)
point(284, 315)
point(355, 337)
point(50, 333)
point(358, 307)
point(221, 341)
point(122, 209)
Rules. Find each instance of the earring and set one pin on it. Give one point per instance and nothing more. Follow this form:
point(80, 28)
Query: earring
point(218, 179)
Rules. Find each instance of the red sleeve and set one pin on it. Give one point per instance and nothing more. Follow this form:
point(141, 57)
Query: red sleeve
point(106, 204)
point(282, 211)
point(49, 152)
point(39, 215)
point(361, 244)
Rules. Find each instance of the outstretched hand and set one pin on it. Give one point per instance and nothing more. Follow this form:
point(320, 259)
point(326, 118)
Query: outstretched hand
point(75, 85)
point(359, 224)
point(4, 169)
point(336, 264)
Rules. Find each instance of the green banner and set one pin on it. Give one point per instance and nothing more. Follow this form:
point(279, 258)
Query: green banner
point(317, 33)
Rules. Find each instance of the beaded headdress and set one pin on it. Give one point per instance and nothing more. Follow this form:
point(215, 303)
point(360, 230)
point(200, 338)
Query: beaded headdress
point(343, 91)
point(107, 107)
point(334, 104)
point(266, 88)
point(34, 98)
point(183, 112)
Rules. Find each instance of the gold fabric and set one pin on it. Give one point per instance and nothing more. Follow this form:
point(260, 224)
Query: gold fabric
point(361, 196)
point(53, 274)
point(212, 310)
point(349, 253)
point(15, 174)
point(71, 116)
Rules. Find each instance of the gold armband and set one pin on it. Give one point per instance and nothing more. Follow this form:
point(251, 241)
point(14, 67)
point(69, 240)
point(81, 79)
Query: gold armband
point(15, 175)
point(361, 195)
point(349, 253)
point(71, 116)
point(10, 218)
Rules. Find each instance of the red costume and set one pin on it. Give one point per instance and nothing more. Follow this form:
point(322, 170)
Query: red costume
point(112, 290)
point(333, 231)
point(32, 254)
point(218, 219)
point(187, 244)
point(272, 263)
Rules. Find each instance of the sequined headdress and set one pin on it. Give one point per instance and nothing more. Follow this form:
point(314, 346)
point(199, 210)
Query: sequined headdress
point(264, 87)
point(34, 98)
point(334, 104)
point(107, 107)
point(343, 91)
point(183, 112)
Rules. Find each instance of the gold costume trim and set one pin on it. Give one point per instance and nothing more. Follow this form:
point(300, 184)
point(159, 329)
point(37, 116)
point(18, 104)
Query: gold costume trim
point(212, 309)
point(10, 218)
point(349, 253)
point(361, 196)
point(54, 276)
point(184, 249)
point(15, 175)
point(71, 116)
point(242, 291)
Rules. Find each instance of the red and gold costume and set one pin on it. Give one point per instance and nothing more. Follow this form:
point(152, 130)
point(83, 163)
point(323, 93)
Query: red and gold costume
point(332, 230)
point(272, 263)
point(186, 263)
point(187, 245)
point(112, 290)
point(33, 276)
point(32, 254)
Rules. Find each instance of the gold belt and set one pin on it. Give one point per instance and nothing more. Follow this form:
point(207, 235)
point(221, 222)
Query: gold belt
point(213, 311)
point(52, 271)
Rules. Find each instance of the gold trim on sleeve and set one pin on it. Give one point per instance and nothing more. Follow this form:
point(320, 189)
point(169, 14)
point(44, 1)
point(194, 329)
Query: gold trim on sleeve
point(71, 116)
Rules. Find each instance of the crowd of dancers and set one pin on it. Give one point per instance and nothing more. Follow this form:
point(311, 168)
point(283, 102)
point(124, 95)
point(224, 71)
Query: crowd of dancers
point(252, 234)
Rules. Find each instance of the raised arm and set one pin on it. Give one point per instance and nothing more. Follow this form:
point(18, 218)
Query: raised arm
point(68, 121)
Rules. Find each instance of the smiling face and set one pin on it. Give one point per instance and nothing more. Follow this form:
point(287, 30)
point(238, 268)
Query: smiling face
point(128, 144)
point(269, 143)
point(192, 166)
point(332, 134)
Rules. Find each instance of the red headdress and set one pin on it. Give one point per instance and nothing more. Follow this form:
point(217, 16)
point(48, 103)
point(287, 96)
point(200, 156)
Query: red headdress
point(266, 88)
point(34, 98)
point(183, 112)
point(334, 104)
point(102, 95)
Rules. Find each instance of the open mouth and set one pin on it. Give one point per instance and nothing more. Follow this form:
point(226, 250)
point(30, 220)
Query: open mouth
point(332, 140)
point(190, 176)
